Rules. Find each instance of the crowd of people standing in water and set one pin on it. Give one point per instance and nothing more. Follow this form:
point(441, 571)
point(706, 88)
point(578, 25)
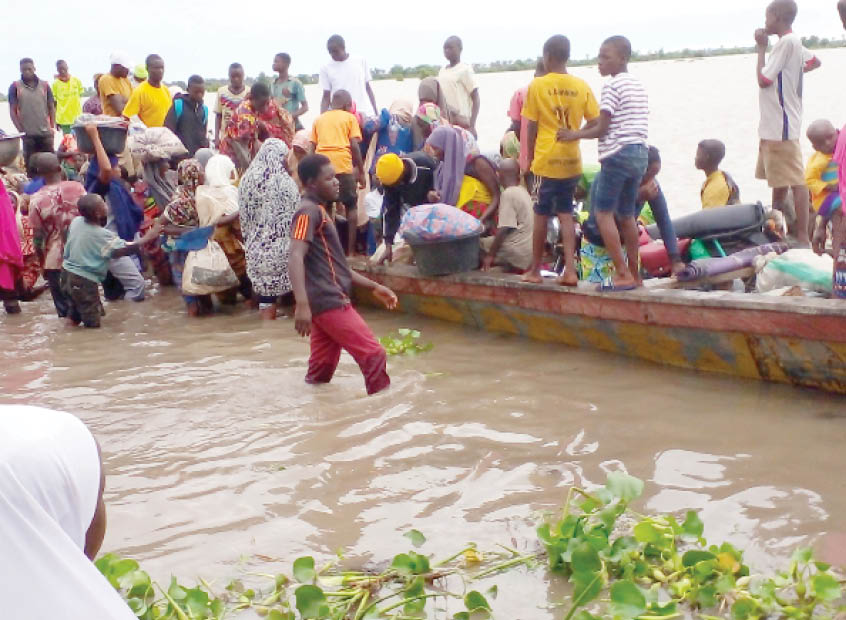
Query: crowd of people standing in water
point(246, 181)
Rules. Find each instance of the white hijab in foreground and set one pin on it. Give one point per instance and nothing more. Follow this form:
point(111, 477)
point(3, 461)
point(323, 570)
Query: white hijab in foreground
point(49, 483)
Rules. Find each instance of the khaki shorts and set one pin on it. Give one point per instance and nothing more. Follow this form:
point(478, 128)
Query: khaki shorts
point(780, 163)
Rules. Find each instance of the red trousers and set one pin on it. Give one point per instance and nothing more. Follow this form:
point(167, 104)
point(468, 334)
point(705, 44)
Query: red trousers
point(343, 328)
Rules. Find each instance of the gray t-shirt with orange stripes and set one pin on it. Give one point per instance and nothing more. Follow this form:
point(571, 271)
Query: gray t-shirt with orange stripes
point(328, 277)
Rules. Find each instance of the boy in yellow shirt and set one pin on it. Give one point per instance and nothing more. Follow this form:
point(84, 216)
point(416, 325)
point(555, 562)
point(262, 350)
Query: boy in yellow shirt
point(67, 91)
point(151, 100)
point(337, 135)
point(556, 101)
point(719, 188)
point(821, 174)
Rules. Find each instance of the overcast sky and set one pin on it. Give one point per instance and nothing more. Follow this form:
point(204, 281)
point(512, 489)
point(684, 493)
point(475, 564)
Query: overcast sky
point(205, 37)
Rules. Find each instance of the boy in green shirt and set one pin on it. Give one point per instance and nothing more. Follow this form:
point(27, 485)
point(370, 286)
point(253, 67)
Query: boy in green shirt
point(288, 91)
point(88, 250)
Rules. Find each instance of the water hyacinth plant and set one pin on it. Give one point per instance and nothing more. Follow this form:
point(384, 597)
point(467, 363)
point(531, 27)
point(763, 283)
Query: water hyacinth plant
point(404, 343)
point(621, 565)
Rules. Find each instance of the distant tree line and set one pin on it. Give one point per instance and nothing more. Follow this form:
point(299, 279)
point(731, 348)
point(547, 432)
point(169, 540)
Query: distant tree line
point(398, 72)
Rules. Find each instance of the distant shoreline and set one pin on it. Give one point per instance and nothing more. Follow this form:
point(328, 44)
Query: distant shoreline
point(401, 73)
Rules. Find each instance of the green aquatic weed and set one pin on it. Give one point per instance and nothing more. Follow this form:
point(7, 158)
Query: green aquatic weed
point(621, 565)
point(404, 343)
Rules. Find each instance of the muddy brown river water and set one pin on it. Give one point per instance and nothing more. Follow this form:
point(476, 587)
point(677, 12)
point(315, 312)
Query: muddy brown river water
point(221, 460)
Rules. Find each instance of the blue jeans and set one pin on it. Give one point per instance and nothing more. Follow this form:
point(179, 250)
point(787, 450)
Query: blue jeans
point(661, 212)
point(617, 185)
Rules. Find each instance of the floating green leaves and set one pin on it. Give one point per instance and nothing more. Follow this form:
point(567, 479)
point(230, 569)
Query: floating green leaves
point(404, 343)
point(410, 563)
point(627, 601)
point(311, 602)
point(304, 569)
point(624, 487)
point(621, 565)
point(416, 537)
point(826, 587)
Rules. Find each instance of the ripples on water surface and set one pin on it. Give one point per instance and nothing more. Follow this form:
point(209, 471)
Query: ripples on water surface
point(216, 450)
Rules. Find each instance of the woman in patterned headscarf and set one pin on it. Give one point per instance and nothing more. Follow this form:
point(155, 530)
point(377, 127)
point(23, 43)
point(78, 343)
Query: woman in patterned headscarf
point(268, 198)
point(258, 118)
point(180, 217)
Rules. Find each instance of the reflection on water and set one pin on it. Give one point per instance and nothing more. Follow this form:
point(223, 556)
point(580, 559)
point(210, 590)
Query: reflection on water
point(217, 451)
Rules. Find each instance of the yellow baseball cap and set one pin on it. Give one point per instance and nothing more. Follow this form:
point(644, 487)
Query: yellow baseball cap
point(389, 169)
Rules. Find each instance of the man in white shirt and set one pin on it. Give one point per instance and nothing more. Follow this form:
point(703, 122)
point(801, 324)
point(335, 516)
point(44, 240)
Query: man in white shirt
point(780, 98)
point(458, 84)
point(347, 73)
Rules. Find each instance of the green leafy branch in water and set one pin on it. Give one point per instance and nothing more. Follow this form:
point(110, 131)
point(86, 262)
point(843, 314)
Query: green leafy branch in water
point(622, 565)
point(404, 343)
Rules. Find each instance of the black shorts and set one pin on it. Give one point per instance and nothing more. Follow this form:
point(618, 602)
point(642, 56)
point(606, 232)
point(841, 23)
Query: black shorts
point(349, 190)
point(556, 196)
point(33, 145)
point(84, 298)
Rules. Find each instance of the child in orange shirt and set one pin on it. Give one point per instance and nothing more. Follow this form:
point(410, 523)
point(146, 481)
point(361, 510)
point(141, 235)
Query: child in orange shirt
point(337, 135)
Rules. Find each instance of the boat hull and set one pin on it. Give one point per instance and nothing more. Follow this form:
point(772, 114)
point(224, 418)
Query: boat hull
point(796, 341)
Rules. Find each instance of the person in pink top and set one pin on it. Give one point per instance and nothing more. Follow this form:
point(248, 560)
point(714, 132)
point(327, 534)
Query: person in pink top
point(520, 124)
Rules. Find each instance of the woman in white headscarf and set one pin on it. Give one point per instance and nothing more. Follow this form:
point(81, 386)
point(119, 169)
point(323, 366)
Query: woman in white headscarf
point(51, 517)
point(268, 198)
point(217, 203)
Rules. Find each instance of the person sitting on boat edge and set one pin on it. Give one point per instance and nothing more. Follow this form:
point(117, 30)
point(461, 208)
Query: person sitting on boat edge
point(719, 188)
point(407, 182)
point(511, 247)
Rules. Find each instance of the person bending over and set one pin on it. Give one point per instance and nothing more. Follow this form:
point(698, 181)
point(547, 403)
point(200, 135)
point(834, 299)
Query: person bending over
point(407, 182)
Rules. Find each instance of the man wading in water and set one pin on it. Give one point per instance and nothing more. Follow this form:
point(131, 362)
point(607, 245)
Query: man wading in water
point(323, 281)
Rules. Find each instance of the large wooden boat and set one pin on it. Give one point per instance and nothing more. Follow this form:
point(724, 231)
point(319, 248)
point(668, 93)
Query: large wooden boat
point(795, 340)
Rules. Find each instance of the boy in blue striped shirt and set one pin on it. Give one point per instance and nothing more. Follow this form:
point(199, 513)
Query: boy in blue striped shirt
point(623, 130)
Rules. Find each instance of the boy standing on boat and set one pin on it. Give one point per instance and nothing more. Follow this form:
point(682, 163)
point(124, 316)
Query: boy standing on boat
point(622, 129)
point(323, 282)
point(556, 100)
point(780, 100)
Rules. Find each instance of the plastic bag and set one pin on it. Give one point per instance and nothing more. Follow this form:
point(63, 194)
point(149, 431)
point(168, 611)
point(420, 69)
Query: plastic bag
point(800, 268)
point(438, 222)
point(156, 143)
point(207, 271)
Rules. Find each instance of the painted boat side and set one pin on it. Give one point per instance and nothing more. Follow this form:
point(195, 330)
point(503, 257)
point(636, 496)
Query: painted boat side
point(785, 340)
